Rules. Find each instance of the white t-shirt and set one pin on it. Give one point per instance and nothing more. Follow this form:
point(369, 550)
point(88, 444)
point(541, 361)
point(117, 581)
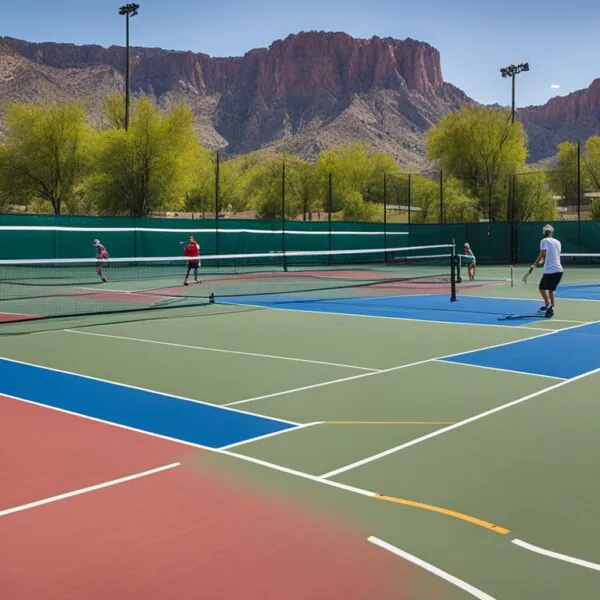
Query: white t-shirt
point(553, 249)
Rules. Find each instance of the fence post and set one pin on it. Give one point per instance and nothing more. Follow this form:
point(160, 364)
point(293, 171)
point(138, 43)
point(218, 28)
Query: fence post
point(579, 196)
point(283, 214)
point(409, 199)
point(329, 209)
point(217, 203)
point(385, 256)
point(441, 201)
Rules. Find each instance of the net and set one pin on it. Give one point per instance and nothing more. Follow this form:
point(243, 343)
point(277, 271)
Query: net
point(38, 289)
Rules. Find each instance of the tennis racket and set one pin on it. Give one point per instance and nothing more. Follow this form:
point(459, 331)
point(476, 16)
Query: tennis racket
point(529, 272)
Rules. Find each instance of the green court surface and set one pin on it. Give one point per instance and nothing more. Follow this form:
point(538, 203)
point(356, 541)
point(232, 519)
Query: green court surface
point(363, 387)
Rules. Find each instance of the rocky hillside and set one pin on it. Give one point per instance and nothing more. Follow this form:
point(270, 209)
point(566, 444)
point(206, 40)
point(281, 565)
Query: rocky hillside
point(309, 92)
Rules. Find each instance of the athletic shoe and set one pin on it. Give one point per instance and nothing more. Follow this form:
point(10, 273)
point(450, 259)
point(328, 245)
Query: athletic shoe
point(543, 308)
point(549, 312)
point(185, 283)
point(104, 280)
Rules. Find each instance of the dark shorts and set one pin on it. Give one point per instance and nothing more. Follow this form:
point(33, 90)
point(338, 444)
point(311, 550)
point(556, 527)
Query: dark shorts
point(550, 281)
point(193, 264)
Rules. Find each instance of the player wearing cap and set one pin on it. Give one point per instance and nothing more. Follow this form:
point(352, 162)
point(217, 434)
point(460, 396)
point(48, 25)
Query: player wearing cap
point(550, 249)
point(468, 258)
point(192, 251)
point(101, 257)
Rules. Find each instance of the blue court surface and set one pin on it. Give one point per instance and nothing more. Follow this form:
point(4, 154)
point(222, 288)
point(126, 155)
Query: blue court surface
point(563, 354)
point(467, 309)
point(579, 291)
point(170, 416)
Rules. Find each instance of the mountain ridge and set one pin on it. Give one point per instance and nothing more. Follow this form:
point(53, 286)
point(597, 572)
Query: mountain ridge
point(306, 93)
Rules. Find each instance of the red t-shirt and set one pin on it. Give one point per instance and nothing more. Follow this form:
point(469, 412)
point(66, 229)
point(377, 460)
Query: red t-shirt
point(101, 252)
point(192, 250)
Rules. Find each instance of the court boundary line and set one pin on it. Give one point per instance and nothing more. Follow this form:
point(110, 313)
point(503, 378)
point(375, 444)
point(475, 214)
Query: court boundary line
point(443, 430)
point(559, 298)
point(455, 581)
point(92, 488)
point(141, 389)
point(399, 367)
point(219, 350)
point(269, 435)
point(556, 555)
point(324, 312)
point(452, 362)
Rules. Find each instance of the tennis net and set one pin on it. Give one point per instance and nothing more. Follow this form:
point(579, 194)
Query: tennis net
point(38, 289)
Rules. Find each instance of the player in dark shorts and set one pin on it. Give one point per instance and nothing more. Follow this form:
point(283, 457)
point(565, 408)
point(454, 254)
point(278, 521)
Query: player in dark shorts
point(550, 250)
point(101, 257)
point(192, 251)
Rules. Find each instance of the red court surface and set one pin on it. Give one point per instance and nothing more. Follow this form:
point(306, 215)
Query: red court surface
point(185, 533)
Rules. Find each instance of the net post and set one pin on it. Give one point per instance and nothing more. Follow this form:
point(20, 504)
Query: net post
point(453, 271)
point(283, 214)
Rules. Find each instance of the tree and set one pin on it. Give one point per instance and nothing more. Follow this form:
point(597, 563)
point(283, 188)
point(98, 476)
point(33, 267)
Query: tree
point(150, 167)
point(596, 209)
point(481, 148)
point(563, 180)
point(45, 154)
point(533, 197)
point(591, 163)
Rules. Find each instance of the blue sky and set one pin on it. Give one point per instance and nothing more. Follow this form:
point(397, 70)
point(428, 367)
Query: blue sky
point(476, 38)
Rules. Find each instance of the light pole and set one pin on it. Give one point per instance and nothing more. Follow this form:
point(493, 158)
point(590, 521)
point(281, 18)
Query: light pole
point(128, 10)
point(512, 71)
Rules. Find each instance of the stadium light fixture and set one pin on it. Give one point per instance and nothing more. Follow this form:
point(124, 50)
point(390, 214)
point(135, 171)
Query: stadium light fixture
point(127, 10)
point(512, 71)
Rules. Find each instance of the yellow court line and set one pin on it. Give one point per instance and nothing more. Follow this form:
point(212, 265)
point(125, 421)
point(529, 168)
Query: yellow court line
point(445, 511)
point(389, 422)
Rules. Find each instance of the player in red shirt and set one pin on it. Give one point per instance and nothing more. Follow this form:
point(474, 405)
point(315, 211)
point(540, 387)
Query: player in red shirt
point(101, 256)
point(192, 251)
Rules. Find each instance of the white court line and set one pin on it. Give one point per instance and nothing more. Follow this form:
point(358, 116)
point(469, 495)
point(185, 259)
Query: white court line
point(339, 314)
point(269, 435)
point(141, 389)
point(451, 362)
point(224, 351)
point(558, 298)
point(242, 457)
point(459, 583)
point(92, 488)
point(438, 432)
point(397, 368)
point(557, 555)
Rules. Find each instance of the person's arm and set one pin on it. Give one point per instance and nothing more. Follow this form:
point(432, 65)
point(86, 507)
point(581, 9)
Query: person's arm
point(540, 259)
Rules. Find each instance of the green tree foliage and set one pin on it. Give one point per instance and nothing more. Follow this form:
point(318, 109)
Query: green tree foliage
point(45, 155)
point(591, 163)
point(481, 148)
point(148, 168)
point(564, 178)
point(534, 197)
point(596, 209)
point(357, 172)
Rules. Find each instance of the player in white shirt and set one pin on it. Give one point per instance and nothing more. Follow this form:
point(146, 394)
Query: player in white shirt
point(550, 250)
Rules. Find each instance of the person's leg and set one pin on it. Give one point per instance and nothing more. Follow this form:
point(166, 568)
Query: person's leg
point(544, 294)
point(187, 274)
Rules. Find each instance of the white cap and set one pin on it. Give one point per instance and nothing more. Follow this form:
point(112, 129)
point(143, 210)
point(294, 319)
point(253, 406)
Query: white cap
point(467, 245)
point(96, 242)
point(548, 228)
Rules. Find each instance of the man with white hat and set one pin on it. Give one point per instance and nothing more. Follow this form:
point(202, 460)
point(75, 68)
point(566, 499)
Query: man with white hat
point(550, 249)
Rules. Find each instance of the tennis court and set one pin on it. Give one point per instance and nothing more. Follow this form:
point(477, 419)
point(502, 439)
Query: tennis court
point(369, 439)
